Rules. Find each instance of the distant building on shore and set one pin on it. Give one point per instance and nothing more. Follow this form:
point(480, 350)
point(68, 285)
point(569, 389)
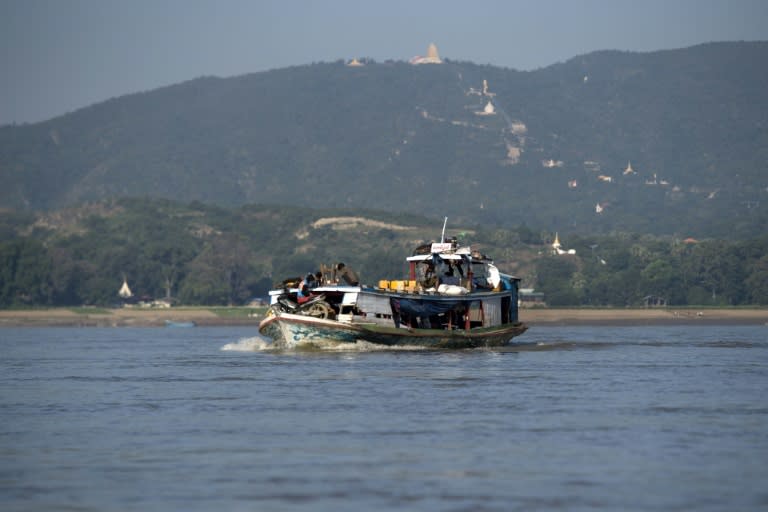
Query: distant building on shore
point(529, 298)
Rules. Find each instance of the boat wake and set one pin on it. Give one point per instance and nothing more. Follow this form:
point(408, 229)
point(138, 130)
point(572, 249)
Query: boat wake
point(258, 344)
point(359, 346)
point(254, 344)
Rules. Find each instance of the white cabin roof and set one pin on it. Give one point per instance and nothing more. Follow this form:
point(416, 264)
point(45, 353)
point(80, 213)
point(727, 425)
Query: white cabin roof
point(427, 257)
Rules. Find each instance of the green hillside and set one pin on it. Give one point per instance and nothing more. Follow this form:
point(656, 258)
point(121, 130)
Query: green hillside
point(415, 139)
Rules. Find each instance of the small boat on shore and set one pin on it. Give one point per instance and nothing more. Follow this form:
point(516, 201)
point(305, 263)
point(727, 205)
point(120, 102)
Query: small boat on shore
point(454, 298)
point(179, 324)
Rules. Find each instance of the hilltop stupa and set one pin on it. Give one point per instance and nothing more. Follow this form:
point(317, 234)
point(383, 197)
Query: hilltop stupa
point(432, 56)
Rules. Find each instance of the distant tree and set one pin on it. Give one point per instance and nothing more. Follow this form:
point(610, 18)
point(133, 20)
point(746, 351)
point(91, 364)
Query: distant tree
point(555, 278)
point(757, 282)
point(205, 283)
point(25, 278)
point(225, 272)
point(715, 267)
point(660, 278)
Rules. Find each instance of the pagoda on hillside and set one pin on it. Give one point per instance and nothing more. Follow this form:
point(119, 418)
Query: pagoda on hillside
point(558, 249)
point(125, 292)
point(488, 110)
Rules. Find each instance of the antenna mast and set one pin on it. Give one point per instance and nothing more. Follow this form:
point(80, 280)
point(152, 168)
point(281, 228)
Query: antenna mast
point(442, 237)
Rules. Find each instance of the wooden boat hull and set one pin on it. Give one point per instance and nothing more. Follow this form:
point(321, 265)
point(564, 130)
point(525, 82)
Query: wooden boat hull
point(294, 330)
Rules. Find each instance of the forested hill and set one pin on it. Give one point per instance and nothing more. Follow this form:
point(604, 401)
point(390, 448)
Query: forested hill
point(671, 142)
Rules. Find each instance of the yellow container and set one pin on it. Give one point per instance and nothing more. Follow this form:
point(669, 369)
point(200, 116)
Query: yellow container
point(384, 284)
point(402, 286)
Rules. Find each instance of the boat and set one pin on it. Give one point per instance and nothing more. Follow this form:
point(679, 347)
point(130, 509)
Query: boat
point(454, 297)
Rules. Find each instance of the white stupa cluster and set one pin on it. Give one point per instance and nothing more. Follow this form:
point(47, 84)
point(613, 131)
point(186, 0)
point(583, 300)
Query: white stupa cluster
point(432, 57)
point(558, 249)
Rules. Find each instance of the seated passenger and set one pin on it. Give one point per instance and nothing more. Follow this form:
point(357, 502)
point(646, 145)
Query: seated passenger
point(305, 288)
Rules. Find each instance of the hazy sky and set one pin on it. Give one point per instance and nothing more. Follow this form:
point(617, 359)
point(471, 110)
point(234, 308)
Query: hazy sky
point(60, 55)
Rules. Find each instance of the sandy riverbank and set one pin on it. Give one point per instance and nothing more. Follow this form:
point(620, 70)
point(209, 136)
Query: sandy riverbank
point(121, 317)
point(660, 316)
point(133, 317)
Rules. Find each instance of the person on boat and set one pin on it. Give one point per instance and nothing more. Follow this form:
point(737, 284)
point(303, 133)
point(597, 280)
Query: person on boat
point(450, 277)
point(429, 277)
point(305, 288)
point(346, 274)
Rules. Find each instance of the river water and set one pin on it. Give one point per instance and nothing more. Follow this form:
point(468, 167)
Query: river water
point(202, 419)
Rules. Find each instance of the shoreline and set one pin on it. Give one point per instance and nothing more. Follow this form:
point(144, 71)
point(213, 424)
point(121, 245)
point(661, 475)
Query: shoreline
point(650, 316)
point(207, 317)
point(123, 317)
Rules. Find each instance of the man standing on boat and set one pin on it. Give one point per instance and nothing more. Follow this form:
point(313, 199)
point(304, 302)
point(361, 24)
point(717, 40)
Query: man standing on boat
point(346, 274)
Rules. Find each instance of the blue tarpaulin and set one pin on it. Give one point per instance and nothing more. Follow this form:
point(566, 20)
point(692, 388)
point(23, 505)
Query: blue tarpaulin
point(424, 308)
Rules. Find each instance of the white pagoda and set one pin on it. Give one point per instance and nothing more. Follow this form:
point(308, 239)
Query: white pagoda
point(488, 110)
point(125, 292)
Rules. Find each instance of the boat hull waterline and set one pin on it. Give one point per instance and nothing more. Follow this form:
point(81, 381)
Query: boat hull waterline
point(289, 330)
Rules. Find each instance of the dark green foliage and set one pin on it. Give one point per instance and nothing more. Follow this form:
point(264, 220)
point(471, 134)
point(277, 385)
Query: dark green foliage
point(200, 254)
point(756, 283)
point(195, 254)
point(25, 273)
point(555, 278)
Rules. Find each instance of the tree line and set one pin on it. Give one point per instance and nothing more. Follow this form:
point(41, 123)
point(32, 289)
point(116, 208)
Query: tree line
point(199, 254)
point(623, 271)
